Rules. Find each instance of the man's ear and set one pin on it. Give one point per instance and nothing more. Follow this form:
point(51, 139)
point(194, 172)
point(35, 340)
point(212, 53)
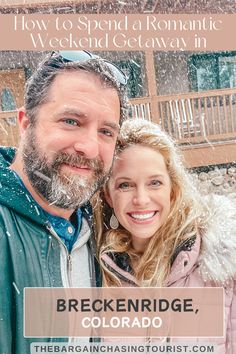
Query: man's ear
point(23, 120)
point(107, 196)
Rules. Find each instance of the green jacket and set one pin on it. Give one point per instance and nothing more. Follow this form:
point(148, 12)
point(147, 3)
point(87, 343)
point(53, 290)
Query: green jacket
point(29, 256)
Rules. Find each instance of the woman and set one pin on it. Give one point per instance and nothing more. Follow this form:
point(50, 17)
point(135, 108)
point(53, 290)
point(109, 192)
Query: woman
point(162, 232)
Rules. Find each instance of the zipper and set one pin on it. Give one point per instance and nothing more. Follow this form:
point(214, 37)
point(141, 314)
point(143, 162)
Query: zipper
point(68, 256)
point(49, 247)
point(69, 269)
point(69, 259)
point(92, 260)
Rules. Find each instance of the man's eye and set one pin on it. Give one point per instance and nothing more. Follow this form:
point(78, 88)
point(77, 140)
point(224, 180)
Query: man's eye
point(155, 183)
point(124, 185)
point(71, 121)
point(107, 132)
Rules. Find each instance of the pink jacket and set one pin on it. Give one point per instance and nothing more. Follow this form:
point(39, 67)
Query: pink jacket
point(207, 261)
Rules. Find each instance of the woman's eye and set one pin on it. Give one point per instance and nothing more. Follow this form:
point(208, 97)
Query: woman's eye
point(155, 183)
point(124, 185)
point(71, 121)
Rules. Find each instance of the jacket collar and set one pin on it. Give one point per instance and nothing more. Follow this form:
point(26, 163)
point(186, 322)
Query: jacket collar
point(186, 259)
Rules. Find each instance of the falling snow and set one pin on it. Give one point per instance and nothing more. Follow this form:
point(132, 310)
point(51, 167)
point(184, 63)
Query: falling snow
point(16, 288)
point(37, 210)
point(41, 175)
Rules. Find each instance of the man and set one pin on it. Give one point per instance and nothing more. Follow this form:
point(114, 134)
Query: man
point(74, 104)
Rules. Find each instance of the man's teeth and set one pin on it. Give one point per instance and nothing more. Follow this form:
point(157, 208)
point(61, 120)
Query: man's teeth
point(142, 216)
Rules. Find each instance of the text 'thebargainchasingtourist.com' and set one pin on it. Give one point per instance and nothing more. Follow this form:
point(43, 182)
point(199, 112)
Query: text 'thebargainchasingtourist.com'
point(59, 348)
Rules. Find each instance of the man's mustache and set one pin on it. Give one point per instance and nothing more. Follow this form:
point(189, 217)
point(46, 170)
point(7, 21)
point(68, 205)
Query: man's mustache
point(75, 160)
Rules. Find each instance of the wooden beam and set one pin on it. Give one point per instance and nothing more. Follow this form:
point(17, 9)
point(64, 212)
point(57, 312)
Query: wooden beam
point(152, 90)
point(209, 154)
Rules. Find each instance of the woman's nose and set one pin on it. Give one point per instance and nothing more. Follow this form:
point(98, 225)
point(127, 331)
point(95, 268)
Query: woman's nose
point(141, 197)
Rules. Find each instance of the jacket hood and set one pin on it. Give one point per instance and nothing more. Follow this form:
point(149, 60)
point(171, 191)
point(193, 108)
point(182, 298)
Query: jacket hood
point(217, 258)
point(13, 195)
point(213, 252)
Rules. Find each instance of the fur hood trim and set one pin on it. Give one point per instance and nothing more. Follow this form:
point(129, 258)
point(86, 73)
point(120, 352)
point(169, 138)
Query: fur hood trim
point(217, 259)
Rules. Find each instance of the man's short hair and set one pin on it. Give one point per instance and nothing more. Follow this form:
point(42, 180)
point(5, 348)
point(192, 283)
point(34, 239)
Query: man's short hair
point(39, 84)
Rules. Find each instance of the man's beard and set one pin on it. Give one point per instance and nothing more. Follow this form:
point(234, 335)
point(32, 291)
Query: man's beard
point(66, 191)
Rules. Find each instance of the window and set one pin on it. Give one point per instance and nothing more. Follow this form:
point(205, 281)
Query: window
point(227, 72)
point(212, 71)
point(8, 104)
point(7, 100)
point(132, 68)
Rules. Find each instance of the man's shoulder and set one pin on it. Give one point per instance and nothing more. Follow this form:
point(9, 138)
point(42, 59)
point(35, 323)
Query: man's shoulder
point(7, 215)
point(17, 216)
point(4, 212)
point(15, 200)
point(5, 220)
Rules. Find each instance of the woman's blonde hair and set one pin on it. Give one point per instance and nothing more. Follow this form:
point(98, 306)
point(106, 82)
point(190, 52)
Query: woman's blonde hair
point(184, 220)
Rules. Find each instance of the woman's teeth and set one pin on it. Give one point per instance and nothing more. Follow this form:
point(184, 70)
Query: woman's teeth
point(142, 216)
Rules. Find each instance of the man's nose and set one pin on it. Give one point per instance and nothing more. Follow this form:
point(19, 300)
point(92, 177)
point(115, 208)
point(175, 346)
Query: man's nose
point(88, 145)
point(141, 197)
